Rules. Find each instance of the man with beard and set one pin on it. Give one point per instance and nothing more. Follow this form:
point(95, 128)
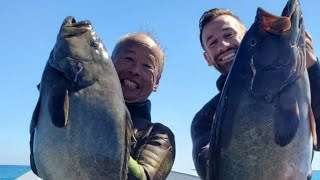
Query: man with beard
point(221, 33)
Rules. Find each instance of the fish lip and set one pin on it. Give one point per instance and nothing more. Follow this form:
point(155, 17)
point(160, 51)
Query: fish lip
point(70, 27)
point(80, 24)
point(290, 8)
point(278, 25)
point(289, 24)
point(71, 21)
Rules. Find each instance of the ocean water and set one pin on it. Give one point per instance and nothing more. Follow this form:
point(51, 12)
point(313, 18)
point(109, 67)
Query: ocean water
point(10, 172)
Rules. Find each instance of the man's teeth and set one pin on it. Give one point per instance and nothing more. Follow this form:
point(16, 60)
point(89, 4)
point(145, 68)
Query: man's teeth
point(228, 56)
point(130, 83)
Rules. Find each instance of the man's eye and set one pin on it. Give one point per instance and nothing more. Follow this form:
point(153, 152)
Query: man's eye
point(230, 35)
point(213, 43)
point(147, 66)
point(128, 59)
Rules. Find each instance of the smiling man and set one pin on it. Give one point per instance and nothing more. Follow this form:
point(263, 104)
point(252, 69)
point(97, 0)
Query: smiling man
point(139, 62)
point(220, 38)
point(221, 33)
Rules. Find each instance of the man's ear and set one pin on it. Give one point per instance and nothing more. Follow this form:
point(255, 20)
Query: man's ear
point(155, 87)
point(208, 59)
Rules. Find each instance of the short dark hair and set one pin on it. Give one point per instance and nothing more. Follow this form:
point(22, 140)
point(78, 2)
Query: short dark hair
point(212, 14)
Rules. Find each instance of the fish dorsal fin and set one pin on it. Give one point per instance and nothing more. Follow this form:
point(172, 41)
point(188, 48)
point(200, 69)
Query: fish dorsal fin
point(271, 23)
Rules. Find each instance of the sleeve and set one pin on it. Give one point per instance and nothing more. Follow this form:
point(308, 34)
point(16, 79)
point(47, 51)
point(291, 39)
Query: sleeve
point(157, 155)
point(314, 77)
point(200, 135)
point(136, 172)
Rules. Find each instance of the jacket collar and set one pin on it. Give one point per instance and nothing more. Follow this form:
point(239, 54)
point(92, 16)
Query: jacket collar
point(220, 82)
point(140, 110)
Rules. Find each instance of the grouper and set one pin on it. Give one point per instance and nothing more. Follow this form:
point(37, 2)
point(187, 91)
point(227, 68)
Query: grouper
point(81, 127)
point(264, 127)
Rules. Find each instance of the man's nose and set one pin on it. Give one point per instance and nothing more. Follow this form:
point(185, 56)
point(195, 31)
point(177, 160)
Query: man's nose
point(135, 69)
point(223, 45)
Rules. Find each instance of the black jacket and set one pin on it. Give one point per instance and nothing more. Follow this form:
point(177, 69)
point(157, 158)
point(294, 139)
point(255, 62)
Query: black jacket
point(155, 147)
point(202, 122)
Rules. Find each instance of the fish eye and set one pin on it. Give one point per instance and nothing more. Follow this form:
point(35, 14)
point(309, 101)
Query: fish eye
point(253, 42)
point(94, 44)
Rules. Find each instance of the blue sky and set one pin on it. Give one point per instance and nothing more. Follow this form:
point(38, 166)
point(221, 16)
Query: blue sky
point(28, 33)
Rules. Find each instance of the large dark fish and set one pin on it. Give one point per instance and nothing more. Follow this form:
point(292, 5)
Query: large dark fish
point(81, 125)
point(264, 124)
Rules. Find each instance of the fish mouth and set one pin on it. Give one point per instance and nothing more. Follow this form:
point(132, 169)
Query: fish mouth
point(70, 27)
point(273, 23)
point(280, 25)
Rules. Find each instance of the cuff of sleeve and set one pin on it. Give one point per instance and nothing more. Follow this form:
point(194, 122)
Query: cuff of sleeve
point(201, 163)
point(135, 169)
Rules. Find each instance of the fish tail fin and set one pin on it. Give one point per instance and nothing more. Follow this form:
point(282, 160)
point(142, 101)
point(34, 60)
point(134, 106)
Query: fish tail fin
point(313, 127)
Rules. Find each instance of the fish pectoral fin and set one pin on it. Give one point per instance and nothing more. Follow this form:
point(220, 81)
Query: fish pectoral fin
point(285, 127)
point(313, 127)
point(286, 121)
point(59, 107)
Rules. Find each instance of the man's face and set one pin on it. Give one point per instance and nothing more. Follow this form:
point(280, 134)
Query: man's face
point(221, 38)
point(136, 63)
